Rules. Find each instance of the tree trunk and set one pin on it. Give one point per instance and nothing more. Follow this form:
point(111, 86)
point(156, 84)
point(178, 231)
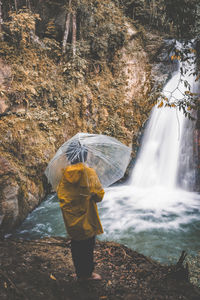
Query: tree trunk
point(28, 4)
point(74, 34)
point(66, 32)
point(1, 22)
point(36, 39)
point(16, 6)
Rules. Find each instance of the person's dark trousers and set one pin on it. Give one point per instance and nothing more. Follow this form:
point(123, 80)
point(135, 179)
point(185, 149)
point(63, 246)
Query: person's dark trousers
point(82, 255)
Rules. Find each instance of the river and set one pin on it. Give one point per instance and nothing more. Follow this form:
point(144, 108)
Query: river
point(156, 212)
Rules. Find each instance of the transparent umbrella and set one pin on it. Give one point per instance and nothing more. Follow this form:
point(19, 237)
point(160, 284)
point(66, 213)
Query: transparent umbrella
point(105, 154)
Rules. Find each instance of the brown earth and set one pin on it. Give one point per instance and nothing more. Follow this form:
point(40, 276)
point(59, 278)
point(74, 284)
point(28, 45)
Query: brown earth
point(43, 269)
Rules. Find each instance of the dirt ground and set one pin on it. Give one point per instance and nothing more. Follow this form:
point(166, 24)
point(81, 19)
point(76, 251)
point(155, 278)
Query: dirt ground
point(43, 270)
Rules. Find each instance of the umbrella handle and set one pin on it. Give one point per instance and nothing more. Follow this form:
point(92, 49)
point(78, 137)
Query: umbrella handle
point(94, 197)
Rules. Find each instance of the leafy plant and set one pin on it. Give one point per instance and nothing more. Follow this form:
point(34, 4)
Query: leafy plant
point(21, 26)
point(188, 101)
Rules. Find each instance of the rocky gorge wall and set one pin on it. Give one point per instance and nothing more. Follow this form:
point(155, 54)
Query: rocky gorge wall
point(31, 131)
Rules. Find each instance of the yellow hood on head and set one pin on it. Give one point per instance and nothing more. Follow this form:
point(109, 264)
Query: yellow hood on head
point(73, 173)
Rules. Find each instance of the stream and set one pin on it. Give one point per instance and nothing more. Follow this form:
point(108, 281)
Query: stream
point(156, 212)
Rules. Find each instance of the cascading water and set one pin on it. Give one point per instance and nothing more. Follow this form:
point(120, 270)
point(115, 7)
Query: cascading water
point(155, 212)
point(168, 137)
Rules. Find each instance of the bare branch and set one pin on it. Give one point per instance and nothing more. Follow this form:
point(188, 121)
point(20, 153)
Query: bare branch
point(74, 33)
point(1, 22)
point(16, 8)
point(28, 5)
point(181, 259)
point(66, 32)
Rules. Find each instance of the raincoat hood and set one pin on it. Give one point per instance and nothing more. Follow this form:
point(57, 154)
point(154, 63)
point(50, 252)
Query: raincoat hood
point(73, 172)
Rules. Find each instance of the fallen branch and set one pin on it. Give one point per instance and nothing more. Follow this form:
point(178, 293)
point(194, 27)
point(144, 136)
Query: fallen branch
point(181, 259)
point(179, 271)
point(126, 255)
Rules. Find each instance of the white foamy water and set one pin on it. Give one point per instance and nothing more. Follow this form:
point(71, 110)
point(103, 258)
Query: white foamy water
point(126, 207)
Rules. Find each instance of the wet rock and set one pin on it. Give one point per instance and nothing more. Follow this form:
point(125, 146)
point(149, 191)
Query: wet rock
point(5, 74)
point(3, 106)
point(9, 205)
point(5, 167)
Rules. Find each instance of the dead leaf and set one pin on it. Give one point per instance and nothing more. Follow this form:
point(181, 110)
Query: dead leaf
point(109, 282)
point(160, 105)
point(53, 277)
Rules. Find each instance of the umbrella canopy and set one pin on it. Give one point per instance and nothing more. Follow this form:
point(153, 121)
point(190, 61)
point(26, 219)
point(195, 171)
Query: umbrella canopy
point(105, 154)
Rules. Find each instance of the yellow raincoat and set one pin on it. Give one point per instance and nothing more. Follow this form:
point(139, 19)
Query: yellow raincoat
point(76, 191)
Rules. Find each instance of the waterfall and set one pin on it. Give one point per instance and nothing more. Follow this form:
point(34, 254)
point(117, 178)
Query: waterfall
point(159, 194)
point(166, 153)
point(157, 161)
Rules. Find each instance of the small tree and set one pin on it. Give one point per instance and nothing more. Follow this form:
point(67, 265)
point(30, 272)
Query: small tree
point(74, 34)
point(22, 26)
point(187, 57)
point(182, 14)
point(66, 31)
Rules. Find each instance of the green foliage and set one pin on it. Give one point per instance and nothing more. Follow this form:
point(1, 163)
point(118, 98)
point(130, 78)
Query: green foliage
point(41, 74)
point(35, 76)
point(75, 69)
point(50, 29)
point(40, 71)
point(51, 48)
point(102, 25)
point(182, 14)
point(187, 56)
point(177, 17)
point(20, 26)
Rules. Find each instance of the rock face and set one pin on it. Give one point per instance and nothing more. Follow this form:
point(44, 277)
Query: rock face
point(5, 77)
point(32, 132)
point(21, 187)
